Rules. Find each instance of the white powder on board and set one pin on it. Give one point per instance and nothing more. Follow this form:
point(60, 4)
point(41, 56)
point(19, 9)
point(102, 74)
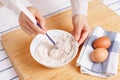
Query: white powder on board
point(47, 53)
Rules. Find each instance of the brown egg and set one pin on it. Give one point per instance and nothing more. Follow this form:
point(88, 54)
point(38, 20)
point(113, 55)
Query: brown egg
point(99, 55)
point(102, 42)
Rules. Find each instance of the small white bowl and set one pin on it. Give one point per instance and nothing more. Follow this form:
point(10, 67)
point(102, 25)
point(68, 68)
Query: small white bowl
point(40, 37)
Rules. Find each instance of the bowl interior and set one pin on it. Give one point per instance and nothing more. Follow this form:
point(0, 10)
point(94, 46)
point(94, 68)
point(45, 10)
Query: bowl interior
point(40, 37)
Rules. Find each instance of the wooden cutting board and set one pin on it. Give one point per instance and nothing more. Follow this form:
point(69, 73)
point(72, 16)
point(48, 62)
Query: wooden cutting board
point(17, 43)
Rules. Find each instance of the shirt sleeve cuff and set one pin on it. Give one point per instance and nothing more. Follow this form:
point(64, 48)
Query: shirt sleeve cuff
point(26, 3)
point(79, 7)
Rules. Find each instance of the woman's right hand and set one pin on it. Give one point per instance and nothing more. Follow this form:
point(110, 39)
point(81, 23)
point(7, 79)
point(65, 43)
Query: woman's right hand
point(28, 26)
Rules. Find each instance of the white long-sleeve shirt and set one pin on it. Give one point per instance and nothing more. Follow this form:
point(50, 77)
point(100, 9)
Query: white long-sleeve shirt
point(78, 6)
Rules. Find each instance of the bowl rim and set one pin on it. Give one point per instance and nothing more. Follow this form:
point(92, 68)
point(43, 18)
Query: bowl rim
point(33, 42)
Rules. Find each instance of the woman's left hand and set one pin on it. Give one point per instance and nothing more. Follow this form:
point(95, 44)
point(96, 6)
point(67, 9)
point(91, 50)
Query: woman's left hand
point(81, 28)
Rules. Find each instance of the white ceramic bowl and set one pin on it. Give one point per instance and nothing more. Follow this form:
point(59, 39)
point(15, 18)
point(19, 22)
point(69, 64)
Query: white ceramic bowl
point(39, 38)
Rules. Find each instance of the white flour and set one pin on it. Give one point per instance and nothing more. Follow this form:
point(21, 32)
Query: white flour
point(47, 53)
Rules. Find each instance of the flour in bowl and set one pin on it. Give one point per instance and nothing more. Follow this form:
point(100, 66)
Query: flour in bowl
point(48, 54)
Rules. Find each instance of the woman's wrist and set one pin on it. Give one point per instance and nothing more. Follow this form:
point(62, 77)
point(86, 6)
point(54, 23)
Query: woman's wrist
point(80, 16)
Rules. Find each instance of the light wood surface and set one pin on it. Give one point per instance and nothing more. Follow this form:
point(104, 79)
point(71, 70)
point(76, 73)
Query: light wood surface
point(16, 44)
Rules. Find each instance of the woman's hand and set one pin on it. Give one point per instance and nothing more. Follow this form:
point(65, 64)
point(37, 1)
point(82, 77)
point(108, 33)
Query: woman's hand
point(28, 26)
point(81, 28)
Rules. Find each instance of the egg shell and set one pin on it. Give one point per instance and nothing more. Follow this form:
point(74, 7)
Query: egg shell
point(99, 55)
point(102, 42)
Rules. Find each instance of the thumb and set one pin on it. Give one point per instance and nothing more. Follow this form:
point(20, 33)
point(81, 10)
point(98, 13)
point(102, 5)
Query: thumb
point(40, 20)
point(77, 32)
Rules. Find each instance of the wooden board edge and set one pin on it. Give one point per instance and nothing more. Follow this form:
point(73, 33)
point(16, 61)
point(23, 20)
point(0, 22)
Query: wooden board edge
point(2, 42)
